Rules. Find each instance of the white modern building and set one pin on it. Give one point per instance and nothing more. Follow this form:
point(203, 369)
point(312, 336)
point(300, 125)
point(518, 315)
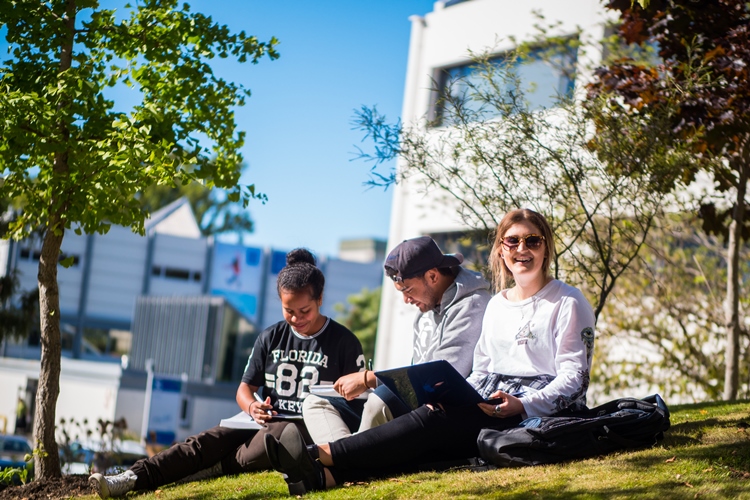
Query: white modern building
point(439, 48)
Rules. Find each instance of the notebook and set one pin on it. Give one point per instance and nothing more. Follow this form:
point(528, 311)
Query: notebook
point(240, 421)
point(327, 390)
point(429, 383)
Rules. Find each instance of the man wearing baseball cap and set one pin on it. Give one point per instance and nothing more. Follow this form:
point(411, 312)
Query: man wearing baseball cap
point(451, 302)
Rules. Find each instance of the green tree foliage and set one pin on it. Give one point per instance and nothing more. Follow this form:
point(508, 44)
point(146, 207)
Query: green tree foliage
point(213, 209)
point(704, 74)
point(360, 315)
point(76, 161)
point(664, 323)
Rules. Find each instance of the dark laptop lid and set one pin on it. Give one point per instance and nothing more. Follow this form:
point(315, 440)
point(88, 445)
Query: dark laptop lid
point(433, 382)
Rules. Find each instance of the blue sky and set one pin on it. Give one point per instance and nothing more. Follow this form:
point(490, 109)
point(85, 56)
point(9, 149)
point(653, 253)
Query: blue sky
point(336, 55)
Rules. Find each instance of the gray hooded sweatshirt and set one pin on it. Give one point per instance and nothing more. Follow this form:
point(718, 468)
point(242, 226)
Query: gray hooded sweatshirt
point(452, 329)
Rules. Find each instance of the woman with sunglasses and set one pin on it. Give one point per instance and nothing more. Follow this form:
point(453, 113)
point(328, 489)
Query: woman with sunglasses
point(536, 343)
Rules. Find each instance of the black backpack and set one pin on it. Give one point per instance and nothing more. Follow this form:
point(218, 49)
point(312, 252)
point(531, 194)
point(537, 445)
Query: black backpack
point(621, 424)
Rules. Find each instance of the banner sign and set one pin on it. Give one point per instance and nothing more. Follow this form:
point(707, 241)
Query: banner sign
point(236, 275)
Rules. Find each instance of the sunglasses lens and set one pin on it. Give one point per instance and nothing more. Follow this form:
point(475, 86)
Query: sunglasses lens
point(533, 241)
point(511, 241)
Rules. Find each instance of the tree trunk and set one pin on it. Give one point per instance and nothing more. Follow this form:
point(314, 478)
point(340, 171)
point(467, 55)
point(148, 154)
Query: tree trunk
point(732, 304)
point(47, 465)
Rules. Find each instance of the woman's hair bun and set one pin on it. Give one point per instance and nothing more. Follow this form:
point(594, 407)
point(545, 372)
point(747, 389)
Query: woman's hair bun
point(301, 273)
point(300, 256)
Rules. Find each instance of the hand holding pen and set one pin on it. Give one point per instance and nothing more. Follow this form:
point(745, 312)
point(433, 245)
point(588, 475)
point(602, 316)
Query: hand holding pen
point(262, 412)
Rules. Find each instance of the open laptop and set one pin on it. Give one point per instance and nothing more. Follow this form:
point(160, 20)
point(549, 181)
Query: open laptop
point(429, 383)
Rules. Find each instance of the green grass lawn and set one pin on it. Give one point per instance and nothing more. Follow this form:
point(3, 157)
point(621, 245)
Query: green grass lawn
point(705, 454)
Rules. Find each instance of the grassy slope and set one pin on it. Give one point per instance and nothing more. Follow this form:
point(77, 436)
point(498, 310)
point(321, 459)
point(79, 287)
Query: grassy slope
point(706, 454)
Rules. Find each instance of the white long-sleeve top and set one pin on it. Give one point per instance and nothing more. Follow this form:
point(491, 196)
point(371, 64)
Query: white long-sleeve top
point(547, 340)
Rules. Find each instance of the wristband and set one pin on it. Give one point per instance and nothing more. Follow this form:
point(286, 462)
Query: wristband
point(365, 375)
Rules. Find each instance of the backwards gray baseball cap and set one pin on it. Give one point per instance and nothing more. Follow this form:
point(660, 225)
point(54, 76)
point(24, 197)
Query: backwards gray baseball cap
point(415, 257)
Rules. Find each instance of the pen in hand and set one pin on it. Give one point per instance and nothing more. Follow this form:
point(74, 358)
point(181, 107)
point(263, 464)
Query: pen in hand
point(260, 400)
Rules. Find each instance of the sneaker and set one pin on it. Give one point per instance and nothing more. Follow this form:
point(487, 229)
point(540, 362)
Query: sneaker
point(113, 486)
point(290, 456)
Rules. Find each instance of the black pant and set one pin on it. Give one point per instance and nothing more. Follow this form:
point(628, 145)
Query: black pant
point(238, 450)
point(404, 444)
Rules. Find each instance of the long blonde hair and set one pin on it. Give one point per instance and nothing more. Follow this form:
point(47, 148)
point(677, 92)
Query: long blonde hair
point(501, 275)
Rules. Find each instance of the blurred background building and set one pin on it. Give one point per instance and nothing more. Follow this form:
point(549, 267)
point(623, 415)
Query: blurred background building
point(186, 305)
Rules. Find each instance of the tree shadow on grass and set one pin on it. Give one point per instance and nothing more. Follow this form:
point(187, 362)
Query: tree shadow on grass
point(726, 453)
point(735, 485)
point(663, 490)
point(692, 433)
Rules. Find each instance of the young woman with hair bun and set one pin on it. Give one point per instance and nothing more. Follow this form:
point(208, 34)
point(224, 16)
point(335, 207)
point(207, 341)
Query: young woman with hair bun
point(305, 349)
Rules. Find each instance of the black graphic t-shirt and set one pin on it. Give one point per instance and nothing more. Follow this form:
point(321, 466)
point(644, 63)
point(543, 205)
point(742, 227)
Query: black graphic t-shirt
point(286, 363)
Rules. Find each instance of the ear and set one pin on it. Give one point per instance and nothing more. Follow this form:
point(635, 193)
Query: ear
point(432, 276)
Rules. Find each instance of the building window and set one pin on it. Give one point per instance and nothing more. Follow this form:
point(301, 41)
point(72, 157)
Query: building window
point(278, 261)
point(97, 343)
point(35, 254)
point(176, 273)
point(179, 274)
point(544, 76)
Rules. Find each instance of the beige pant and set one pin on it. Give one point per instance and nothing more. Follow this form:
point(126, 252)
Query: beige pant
point(324, 423)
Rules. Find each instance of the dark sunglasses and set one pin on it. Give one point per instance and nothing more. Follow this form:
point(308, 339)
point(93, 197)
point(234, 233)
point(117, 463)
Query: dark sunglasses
point(532, 241)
